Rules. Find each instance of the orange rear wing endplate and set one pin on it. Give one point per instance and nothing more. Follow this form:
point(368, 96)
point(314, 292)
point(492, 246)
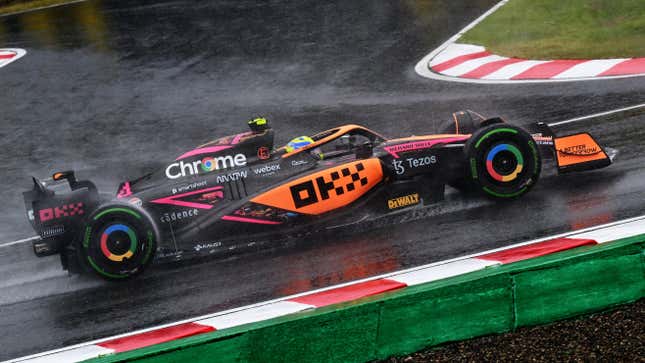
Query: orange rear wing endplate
point(579, 152)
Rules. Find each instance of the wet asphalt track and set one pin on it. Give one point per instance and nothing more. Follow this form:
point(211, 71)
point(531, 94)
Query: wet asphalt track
point(111, 88)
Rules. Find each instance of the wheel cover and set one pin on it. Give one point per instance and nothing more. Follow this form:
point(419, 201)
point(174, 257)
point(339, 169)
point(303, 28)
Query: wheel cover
point(111, 241)
point(492, 164)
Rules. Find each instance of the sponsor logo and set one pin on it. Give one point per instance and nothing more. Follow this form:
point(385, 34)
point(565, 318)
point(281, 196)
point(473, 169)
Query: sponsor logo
point(394, 150)
point(324, 190)
point(267, 169)
point(542, 140)
point(177, 216)
point(306, 193)
point(68, 210)
point(576, 149)
point(135, 201)
point(264, 153)
point(232, 176)
point(189, 187)
point(424, 161)
point(404, 201)
point(207, 246)
point(299, 162)
point(580, 150)
point(169, 253)
point(207, 164)
point(400, 165)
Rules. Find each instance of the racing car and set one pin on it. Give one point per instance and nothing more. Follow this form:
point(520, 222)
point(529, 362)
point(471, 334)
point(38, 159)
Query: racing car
point(238, 187)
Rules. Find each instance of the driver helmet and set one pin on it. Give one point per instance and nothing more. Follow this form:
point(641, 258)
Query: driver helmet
point(298, 143)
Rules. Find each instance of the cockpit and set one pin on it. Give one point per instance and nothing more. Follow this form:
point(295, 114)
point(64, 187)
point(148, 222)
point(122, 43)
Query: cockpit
point(337, 142)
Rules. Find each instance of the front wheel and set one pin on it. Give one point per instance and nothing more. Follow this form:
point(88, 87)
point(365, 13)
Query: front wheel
point(503, 161)
point(119, 242)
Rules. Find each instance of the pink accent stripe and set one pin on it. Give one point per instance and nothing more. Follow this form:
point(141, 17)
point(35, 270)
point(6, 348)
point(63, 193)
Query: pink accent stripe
point(172, 199)
point(155, 337)
point(458, 60)
point(204, 150)
point(349, 293)
point(488, 68)
point(536, 249)
point(237, 137)
point(549, 69)
point(630, 66)
point(248, 220)
point(7, 56)
point(394, 150)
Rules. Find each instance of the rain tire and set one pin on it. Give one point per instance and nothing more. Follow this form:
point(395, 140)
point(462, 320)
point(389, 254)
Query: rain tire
point(119, 242)
point(503, 161)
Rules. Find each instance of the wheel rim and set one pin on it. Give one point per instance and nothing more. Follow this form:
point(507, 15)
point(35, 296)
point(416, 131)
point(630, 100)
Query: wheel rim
point(118, 242)
point(504, 162)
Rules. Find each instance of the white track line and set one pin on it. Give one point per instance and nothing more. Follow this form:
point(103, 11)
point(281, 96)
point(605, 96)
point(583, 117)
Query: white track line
point(19, 241)
point(404, 273)
point(601, 114)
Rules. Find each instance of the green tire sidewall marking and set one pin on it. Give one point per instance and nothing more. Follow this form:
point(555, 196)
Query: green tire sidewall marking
point(536, 169)
point(489, 133)
point(100, 270)
point(86, 240)
point(112, 210)
point(473, 168)
point(149, 247)
point(500, 195)
point(88, 234)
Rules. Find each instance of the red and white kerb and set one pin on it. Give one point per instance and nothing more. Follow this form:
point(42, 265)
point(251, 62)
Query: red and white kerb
point(9, 55)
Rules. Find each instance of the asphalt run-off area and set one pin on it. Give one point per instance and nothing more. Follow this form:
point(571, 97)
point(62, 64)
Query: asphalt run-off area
point(114, 89)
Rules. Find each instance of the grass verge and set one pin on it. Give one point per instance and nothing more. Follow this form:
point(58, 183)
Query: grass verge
point(556, 29)
point(18, 6)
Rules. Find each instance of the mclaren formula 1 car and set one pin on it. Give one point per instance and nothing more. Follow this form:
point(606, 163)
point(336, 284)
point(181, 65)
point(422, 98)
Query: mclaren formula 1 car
point(239, 187)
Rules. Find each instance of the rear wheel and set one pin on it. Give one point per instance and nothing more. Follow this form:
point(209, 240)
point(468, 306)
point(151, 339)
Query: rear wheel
point(119, 242)
point(503, 161)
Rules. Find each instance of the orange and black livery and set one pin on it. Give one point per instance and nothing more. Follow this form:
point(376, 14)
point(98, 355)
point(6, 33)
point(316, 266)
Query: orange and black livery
point(229, 192)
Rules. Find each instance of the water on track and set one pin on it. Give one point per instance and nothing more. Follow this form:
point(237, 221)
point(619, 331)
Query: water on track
point(113, 89)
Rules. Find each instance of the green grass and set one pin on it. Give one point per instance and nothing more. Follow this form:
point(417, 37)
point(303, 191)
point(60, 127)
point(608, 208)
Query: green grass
point(17, 6)
point(564, 29)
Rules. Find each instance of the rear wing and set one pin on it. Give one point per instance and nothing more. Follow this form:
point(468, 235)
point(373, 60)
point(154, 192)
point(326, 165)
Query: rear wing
point(56, 211)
